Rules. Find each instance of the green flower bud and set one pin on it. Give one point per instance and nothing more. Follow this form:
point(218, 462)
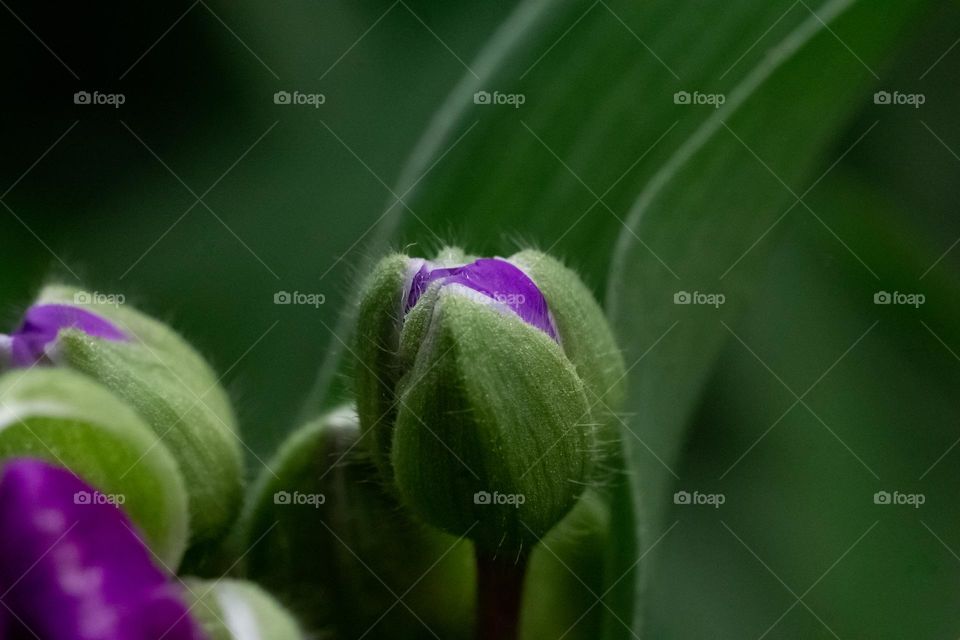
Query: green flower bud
point(172, 388)
point(70, 420)
point(323, 533)
point(486, 389)
point(239, 610)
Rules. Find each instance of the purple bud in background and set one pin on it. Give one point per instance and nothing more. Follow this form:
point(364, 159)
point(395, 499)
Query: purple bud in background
point(42, 324)
point(72, 566)
point(496, 279)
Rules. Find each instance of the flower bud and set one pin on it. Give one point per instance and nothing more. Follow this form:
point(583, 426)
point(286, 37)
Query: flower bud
point(70, 420)
point(239, 610)
point(153, 369)
point(485, 384)
point(335, 546)
point(72, 569)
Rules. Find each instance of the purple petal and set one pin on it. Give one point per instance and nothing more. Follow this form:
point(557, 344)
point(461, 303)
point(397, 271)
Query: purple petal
point(494, 278)
point(73, 568)
point(42, 324)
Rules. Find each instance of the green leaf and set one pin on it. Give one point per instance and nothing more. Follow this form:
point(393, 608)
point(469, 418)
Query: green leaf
point(707, 207)
point(799, 483)
point(68, 419)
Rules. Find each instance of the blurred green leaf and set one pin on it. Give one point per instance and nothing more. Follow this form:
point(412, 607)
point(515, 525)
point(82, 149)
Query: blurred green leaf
point(800, 481)
point(704, 214)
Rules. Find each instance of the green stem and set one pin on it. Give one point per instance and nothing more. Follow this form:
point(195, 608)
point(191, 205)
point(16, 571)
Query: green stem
point(499, 594)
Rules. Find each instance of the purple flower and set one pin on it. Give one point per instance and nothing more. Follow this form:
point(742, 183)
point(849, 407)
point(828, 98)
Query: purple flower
point(73, 568)
point(42, 324)
point(493, 278)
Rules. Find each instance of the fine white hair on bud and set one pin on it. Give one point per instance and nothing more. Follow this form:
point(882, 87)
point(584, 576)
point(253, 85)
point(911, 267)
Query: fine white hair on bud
point(488, 389)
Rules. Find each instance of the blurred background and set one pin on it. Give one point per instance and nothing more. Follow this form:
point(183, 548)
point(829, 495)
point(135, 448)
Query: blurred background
point(204, 193)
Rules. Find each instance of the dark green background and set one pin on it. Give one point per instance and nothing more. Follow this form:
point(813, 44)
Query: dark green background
point(294, 204)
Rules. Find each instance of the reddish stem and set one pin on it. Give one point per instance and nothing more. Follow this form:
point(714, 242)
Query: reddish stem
point(499, 594)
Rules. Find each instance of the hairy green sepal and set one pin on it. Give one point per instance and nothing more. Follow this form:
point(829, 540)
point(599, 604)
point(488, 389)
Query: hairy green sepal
point(493, 437)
